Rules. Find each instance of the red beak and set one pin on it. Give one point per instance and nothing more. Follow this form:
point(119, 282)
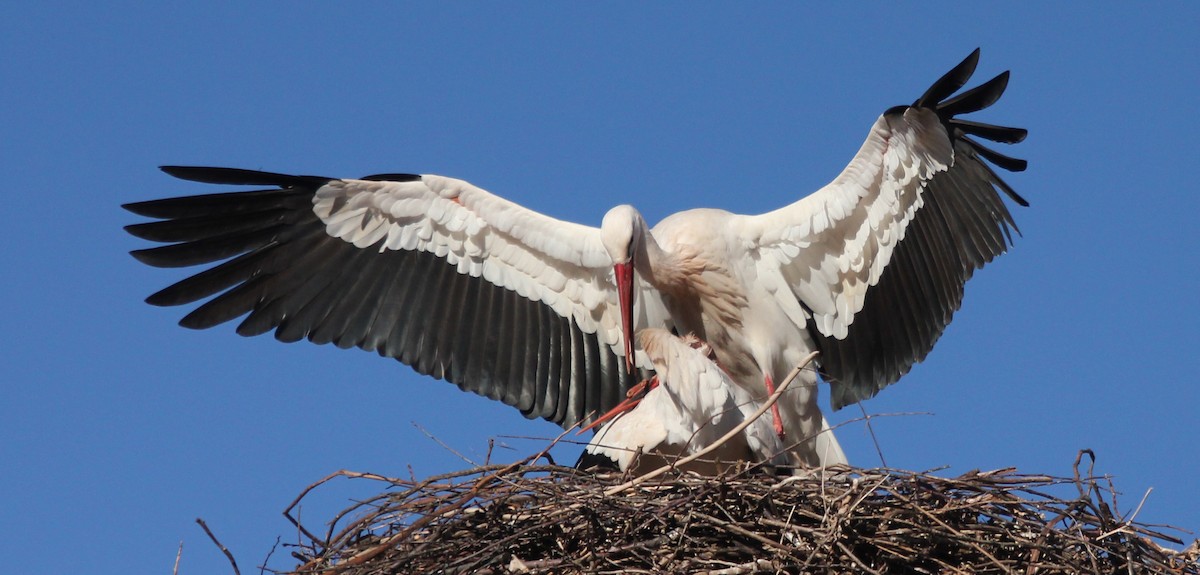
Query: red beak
point(624, 274)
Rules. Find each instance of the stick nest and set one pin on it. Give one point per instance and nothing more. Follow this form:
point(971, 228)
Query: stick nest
point(530, 518)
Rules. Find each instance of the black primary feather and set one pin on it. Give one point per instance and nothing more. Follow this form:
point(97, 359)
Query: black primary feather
point(962, 225)
point(270, 262)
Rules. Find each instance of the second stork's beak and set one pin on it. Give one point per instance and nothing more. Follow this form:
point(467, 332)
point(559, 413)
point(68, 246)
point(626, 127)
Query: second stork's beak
point(624, 275)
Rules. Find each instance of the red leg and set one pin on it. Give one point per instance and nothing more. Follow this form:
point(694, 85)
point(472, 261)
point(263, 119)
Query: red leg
point(774, 408)
point(632, 398)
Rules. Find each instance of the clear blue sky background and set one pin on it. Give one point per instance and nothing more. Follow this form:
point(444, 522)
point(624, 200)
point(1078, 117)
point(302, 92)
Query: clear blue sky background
point(118, 428)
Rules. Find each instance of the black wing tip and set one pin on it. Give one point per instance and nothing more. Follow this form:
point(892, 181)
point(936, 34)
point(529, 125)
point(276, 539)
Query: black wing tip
point(940, 98)
point(241, 177)
point(157, 300)
point(1001, 134)
point(972, 59)
point(162, 257)
point(142, 231)
point(950, 82)
point(198, 319)
point(138, 208)
point(144, 257)
point(392, 178)
point(978, 98)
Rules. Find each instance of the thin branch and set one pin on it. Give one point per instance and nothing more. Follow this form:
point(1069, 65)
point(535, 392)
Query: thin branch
point(222, 547)
point(263, 568)
point(443, 444)
point(871, 430)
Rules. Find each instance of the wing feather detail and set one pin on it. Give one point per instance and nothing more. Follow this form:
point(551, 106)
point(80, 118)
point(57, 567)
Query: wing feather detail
point(879, 257)
point(440, 275)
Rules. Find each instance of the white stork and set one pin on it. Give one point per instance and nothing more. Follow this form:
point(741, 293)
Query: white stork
point(693, 405)
point(539, 313)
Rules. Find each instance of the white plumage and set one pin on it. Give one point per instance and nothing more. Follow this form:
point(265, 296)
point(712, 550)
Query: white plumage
point(693, 404)
point(539, 313)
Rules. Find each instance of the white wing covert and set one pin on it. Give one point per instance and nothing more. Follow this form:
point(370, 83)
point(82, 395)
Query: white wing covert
point(450, 279)
point(874, 263)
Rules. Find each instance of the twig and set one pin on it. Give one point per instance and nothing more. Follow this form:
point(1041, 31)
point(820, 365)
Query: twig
point(871, 430)
point(222, 547)
point(749, 567)
point(734, 528)
point(263, 568)
point(1127, 522)
point(855, 558)
point(178, 554)
point(287, 512)
point(943, 524)
point(443, 444)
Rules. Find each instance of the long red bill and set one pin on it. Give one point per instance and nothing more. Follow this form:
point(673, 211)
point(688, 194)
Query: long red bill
point(624, 276)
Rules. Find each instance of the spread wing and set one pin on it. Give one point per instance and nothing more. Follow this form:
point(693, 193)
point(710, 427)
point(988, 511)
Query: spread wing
point(445, 277)
point(874, 263)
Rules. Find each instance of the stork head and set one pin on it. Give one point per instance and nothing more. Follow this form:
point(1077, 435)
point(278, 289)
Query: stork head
point(621, 232)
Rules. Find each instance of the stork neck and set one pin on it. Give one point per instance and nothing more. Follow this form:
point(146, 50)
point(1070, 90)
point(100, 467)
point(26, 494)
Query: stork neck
point(651, 261)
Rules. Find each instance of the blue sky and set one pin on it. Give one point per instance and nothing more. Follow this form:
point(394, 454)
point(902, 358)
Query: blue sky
point(118, 428)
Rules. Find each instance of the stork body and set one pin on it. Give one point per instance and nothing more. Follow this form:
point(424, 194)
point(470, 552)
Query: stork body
point(539, 313)
point(705, 274)
point(693, 404)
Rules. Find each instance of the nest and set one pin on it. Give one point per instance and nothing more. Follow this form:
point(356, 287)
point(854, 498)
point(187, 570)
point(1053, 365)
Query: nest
point(531, 518)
